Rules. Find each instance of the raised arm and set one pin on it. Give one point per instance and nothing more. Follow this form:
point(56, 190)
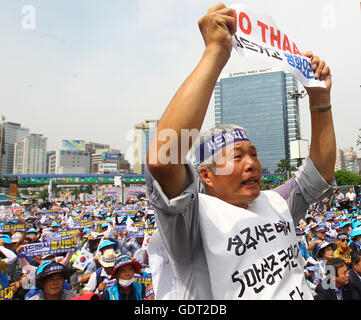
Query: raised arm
point(323, 140)
point(188, 107)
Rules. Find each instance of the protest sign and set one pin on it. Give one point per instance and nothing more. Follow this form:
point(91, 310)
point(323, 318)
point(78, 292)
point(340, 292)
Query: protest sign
point(6, 293)
point(52, 247)
point(258, 36)
point(60, 235)
point(12, 227)
point(143, 279)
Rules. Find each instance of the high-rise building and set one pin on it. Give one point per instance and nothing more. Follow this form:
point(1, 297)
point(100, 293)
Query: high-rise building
point(30, 155)
point(258, 100)
point(13, 132)
point(346, 160)
point(143, 135)
point(51, 162)
point(109, 161)
point(351, 163)
point(340, 160)
point(70, 162)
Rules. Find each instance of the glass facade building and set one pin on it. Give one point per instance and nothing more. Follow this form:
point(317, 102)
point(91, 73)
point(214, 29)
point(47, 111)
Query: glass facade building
point(258, 101)
point(13, 133)
point(143, 137)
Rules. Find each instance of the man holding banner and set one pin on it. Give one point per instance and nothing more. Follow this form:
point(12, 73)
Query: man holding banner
point(233, 241)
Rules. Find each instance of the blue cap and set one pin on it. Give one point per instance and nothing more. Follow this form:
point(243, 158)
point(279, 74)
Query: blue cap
point(356, 232)
point(106, 243)
point(356, 224)
point(104, 225)
point(48, 267)
point(32, 230)
point(344, 223)
point(6, 238)
point(54, 224)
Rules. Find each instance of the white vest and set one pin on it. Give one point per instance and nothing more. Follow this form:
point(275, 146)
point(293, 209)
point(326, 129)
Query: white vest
point(252, 253)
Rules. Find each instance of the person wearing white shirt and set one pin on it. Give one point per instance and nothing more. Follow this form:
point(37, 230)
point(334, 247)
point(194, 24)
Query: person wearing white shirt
point(351, 195)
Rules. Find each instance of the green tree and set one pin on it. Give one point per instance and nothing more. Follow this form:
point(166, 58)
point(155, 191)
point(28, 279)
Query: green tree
point(75, 192)
point(284, 167)
point(347, 178)
point(89, 189)
point(44, 194)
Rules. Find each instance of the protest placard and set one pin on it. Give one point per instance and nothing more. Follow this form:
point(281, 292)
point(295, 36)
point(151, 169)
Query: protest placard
point(52, 247)
point(259, 37)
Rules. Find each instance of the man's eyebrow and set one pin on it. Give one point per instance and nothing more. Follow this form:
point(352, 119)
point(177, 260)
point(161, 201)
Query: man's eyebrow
point(239, 148)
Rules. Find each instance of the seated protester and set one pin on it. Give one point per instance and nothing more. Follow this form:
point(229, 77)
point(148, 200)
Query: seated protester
point(345, 227)
point(7, 258)
point(125, 288)
point(331, 232)
point(320, 236)
point(50, 277)
point(343, 250)
point(99, 279)
point(311, 231)
point(355, 276)
point(325, 251)
point(14, 271)
point(28, 280)
point(335, 286)
point(307, 259)
point(32, 235)
point(355, 244)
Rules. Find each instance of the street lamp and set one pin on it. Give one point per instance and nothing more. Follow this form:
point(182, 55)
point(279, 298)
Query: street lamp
point(296, 96)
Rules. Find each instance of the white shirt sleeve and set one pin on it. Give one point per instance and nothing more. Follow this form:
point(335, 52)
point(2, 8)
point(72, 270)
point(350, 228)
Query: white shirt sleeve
point(10, 256)
point(92, 282)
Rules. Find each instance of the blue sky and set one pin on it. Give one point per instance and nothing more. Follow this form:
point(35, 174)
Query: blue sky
point(91, 69)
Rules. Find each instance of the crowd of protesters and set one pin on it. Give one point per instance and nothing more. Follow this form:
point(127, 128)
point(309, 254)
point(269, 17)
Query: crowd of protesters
point(98, 250)
point(330, 244)
point(109, 258)
point(75, 250)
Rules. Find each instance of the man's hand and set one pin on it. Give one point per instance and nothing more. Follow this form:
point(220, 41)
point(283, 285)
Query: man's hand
point(217, 28)
point(15, 286)
point(102, 286)
point(319, 97)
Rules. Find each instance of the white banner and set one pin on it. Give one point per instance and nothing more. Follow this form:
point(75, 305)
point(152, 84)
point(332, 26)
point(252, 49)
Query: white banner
point(258, 36)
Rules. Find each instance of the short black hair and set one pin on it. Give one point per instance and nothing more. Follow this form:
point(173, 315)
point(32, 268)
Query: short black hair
point(355, 258)
point(337, 263)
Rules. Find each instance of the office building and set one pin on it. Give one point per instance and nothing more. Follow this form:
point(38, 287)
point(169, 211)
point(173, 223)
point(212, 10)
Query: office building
point(143, 135)
point(70, 162)
point(109, 160)
point(50, 161)
point(351, 163)
point(258, 100)
point(30, 155)
point(12, 132)
point(340, 160)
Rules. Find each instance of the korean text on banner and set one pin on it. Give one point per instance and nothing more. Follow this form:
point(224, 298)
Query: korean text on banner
point(259, 37)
